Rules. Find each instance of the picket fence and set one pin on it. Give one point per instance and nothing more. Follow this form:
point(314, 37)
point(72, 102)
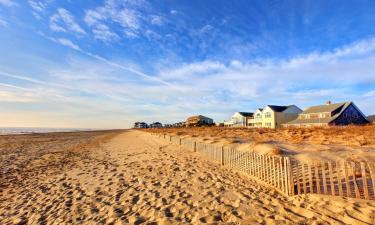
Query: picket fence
point(289, 176)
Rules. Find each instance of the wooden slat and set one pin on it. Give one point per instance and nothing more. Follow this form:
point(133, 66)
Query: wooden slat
point(298, 179)
point(265, 160)
point(282, 181)
point(278, 178)
point(290, 177)
point(325, 188)
point(273, 171)
point(339, 181)
point(304, 178)
point(347, 181)
point(285, 174)
point(364, 180)
point(372, 175)
point(331, 181)
point(356, 189)
point(259, 167)
point(317, 178)
point(310, 178)
point(222, 156)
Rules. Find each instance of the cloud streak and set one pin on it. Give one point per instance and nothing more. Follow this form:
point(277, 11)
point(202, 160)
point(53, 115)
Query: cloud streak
point(63, 21)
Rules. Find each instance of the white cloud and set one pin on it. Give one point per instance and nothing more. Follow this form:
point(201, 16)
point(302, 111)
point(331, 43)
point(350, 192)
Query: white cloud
point(156, 20)
point(3, 23)
point(174, 12)
point(63, 21)
point(102, 32)
point(304, 80)
point(129, 15)
point(68, 43)
point(39, 7)
point(8, 3)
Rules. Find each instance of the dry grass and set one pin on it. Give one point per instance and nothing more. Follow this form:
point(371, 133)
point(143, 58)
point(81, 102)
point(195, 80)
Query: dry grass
point(348, 135)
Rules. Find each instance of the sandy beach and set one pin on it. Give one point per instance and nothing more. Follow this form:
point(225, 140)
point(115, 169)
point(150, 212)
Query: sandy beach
point(131, 177)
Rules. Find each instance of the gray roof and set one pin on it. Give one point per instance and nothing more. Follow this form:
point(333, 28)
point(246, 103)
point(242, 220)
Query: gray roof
point(321, 109)
point(324, 108)
point(246, 114)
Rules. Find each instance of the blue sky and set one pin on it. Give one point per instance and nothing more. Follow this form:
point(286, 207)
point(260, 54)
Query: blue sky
point(108, 63)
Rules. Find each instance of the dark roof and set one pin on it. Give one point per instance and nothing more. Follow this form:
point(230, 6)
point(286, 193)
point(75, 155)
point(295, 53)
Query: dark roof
point(246, 114)
point(320, 109)
point(324, 108)
point(198, 117)
point(277, 108)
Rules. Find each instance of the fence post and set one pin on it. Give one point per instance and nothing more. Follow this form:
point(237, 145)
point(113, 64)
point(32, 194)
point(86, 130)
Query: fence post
point(372, 175)
point(222, 155)
point(364, 180)
point(356, 189)
point(195, 146)
point(180, 141)
point(170, 138)
point(290, 175)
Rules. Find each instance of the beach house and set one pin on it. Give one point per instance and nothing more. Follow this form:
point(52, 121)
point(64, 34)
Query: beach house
point(198, 120)
point(371, 118)
point(140, 125)
point(344, 113)
point(273, 116)
point(239, 119)
point(156, 125)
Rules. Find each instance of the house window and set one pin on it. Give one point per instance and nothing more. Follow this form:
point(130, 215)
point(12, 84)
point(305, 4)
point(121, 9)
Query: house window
point(267, 115)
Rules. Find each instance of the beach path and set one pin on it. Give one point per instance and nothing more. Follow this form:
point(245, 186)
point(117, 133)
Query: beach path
point(138, 178)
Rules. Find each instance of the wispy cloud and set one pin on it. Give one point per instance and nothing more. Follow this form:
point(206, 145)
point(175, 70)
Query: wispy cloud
point(131, 16)
point(38, 7)
point(8, 3)
point(63, 21)
point(156, 20)
point(103, 33)
point(68, 43)
point(3, 23)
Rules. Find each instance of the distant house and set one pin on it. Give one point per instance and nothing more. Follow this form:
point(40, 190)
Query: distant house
point(199, 120)
point(371, 119)
point(258, 118)
point(179, 124)
point(274, 116)
point(140, 125)
point(239, 119)
point(156, 125)
point(329, 114)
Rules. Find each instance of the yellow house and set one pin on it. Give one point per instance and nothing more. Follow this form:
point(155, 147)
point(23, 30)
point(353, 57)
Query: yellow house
point(273, 116)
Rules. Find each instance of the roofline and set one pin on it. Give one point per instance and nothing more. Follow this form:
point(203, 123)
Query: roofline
point(351, 103)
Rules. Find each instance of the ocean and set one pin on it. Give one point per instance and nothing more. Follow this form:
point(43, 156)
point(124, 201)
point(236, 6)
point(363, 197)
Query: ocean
point(31, 130)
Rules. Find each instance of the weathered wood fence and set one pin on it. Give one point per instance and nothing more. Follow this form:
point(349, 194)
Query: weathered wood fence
point(288, 176)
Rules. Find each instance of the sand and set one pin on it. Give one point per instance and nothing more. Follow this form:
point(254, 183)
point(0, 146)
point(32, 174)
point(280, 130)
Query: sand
point(131, 177)
point(356, 143)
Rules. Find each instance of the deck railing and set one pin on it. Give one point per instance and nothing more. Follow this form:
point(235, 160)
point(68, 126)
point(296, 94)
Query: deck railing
point(289, 176)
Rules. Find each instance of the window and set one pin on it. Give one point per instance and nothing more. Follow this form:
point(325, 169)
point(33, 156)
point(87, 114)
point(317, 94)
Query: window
point(267, 115)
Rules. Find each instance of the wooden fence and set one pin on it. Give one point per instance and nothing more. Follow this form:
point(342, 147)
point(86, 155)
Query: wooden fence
point(288, 176)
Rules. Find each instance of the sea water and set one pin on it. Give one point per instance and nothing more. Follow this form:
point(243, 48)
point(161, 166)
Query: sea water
point(31, 130)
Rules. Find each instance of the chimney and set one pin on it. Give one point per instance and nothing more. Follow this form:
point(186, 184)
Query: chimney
point(328, 102)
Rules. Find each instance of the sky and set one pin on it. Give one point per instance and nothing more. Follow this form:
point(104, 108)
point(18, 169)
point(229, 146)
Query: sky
point(109, 63)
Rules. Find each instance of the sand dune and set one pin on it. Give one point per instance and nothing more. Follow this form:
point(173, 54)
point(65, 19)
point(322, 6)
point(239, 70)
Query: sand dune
point(133, 177)
point(306, 144)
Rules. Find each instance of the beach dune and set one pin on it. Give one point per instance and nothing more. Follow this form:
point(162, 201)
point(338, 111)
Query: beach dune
point(122, 177)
